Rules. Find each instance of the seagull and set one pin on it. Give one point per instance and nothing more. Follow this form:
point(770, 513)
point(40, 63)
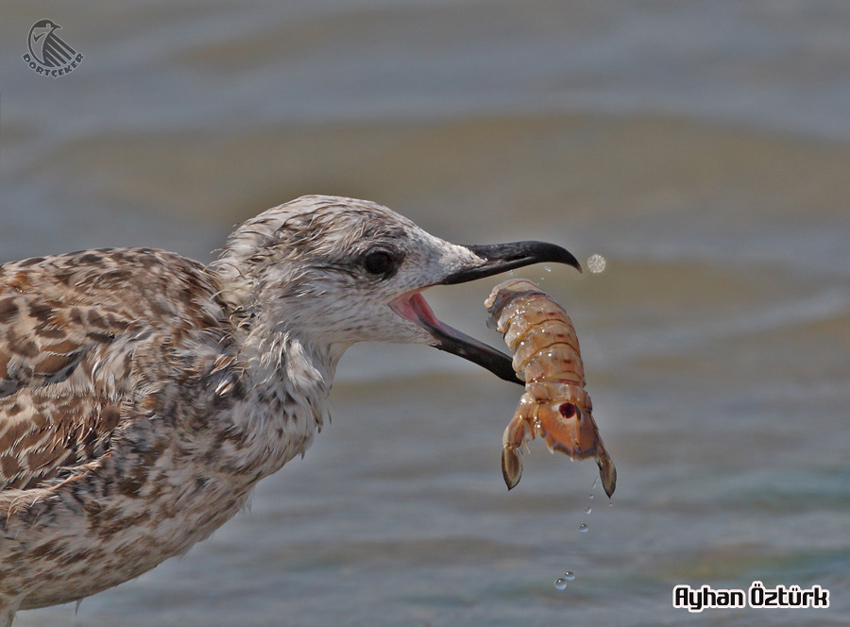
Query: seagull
point(143, 395)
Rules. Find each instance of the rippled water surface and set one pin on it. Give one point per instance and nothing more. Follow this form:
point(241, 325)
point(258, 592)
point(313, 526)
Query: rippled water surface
point(702, 149)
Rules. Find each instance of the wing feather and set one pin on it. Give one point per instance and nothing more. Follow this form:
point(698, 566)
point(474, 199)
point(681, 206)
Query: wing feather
point(69, 327)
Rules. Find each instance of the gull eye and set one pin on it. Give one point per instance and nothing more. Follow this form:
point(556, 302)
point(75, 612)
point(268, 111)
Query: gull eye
point(380, 262)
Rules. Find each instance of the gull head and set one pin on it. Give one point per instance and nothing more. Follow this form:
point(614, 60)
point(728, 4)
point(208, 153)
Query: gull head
point(337, 271)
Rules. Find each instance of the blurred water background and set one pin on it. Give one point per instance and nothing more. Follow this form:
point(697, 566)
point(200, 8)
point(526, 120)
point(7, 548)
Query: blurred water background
point(703, 149)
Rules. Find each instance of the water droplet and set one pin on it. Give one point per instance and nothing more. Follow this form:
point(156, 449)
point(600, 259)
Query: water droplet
point(582, 528)
point(560, 583)
point(547, 268)
point(590, 496)
point(587, 510)
point(596, 263)
point(510, 272)
point(569, 575)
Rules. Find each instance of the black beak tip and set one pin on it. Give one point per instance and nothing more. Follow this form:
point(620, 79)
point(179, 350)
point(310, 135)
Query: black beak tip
point(562, 255)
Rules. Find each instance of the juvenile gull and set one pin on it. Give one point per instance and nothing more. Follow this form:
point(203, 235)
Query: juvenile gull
point(143, 395)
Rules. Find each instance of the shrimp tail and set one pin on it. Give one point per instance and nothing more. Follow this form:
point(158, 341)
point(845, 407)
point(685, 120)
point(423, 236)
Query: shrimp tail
point(567, 427)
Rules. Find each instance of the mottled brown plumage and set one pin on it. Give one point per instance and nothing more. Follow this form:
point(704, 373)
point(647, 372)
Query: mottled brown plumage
point(143, 395)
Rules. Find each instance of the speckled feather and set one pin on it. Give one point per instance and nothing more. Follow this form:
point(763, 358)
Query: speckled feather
point(108, 360)
point(143, 395)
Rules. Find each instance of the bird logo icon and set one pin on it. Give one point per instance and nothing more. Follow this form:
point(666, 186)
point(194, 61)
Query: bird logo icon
point(49, 54)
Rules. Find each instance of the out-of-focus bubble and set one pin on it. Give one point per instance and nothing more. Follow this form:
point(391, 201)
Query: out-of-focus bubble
point(596, 263)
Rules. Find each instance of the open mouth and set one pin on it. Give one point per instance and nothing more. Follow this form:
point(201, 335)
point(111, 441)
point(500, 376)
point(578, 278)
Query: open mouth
point(414, 307)
point(491, 259)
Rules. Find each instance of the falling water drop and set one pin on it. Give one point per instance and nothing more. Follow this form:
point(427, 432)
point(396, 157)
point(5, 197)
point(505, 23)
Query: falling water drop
point(560, 583)
point(569, 575)
point(582, 528)
point(547, 268)
point(587, 510)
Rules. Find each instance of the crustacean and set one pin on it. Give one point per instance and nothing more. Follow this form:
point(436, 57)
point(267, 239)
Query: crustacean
point(546, 357)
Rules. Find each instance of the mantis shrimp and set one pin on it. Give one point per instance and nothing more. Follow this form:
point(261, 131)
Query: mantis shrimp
point(547, 358)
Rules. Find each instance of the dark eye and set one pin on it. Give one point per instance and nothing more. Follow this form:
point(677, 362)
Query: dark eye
point(380, 262)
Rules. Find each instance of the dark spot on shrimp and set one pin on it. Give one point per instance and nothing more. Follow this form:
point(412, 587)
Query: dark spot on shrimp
point(568, 410)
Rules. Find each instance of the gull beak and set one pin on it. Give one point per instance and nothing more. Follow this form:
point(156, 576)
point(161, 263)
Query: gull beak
point(493, 259)
point(499, 258)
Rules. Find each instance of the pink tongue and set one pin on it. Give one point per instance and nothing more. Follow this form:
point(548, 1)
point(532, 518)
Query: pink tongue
point(416, 307)
point(423, 311)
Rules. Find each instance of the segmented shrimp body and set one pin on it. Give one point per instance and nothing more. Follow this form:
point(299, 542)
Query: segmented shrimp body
point(547, 358)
